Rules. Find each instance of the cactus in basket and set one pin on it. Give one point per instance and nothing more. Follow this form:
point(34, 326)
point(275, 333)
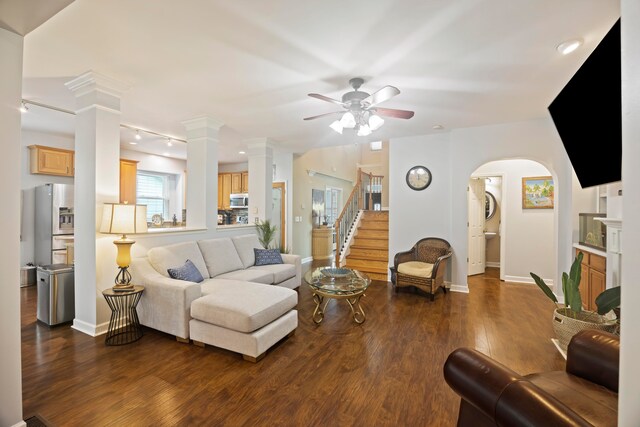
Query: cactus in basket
point(570, 284)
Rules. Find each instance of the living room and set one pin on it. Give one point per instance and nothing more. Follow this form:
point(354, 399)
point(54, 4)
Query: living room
point(474, 134)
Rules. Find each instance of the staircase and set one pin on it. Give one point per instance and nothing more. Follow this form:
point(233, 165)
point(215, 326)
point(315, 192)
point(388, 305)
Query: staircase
point(369, 251)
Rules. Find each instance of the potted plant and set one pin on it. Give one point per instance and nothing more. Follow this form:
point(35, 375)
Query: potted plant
point(570, 319)
point(266, 232)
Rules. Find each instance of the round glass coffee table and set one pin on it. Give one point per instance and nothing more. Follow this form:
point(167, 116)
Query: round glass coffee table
point(337, 283)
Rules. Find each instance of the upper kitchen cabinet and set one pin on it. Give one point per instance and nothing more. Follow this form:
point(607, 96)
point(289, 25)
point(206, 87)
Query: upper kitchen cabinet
point(245, 182)
point(51, 161)
point(128, 175)
point(236, 183)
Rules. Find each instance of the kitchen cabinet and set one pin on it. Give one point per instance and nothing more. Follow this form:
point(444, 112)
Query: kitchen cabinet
point(236, 183)
point(50, 161)
point(593, 272)
point(225, 191)
point(245, 182)
point(128, 178)
point(220, 204)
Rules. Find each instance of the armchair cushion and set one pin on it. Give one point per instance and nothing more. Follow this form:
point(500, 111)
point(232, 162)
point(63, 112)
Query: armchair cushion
point(188, 271)
point(416, 268)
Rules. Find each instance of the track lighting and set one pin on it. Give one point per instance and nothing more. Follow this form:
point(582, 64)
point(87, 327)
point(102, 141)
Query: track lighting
point(23, 107)
point(138, 137)
point(169, 144)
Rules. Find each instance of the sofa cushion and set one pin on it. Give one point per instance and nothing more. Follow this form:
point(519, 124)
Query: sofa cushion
point(164, 257)
point(220, 256)
point(249, 275)
point(243, 306)
point(187, 272)
point(245, 245)
point(280, 272)
point(267, 256)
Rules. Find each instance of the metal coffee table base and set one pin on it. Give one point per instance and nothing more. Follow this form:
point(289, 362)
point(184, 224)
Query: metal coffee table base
point(354, 303)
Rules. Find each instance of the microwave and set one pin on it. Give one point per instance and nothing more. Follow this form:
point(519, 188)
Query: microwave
point(239, 201)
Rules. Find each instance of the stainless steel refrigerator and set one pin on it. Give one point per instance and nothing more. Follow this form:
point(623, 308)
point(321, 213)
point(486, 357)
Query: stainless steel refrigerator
point(54, 223)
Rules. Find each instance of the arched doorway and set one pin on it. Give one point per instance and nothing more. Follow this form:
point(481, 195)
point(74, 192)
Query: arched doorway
point(512, 220)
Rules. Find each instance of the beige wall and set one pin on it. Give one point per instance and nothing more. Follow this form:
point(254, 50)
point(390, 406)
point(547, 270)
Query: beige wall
point(335, 167)
point(377, 163)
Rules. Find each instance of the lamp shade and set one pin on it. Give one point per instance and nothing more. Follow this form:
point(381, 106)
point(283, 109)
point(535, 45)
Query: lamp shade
point(121, 218)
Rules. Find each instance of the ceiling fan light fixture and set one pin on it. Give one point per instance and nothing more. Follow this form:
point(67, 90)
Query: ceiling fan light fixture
point(348, 120)
point(364, 130)
point(375, 122)
point(337, 126)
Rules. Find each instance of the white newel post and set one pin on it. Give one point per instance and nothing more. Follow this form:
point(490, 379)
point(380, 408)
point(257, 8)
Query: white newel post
point(260, 179)
point(10, 97)
point(97, 178)
point(202, 172)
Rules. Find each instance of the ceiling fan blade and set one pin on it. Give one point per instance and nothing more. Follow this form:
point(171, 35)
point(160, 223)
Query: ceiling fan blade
point(382, 95)
point(391, 112)
point(326, 98)
point(323, 115)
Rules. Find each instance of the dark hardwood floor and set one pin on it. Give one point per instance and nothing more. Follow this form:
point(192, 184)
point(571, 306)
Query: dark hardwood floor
point(387, 371)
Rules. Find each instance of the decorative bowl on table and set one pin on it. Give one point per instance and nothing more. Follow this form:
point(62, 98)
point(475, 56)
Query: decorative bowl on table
point(335, 272)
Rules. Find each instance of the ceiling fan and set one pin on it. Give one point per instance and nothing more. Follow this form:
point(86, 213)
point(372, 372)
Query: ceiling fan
point(363, 113)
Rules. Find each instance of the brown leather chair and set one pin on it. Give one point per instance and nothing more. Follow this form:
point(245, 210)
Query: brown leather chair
point(585, 394)
point(423, 266)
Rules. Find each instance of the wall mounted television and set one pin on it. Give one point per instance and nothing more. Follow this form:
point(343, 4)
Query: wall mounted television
point(588, 113)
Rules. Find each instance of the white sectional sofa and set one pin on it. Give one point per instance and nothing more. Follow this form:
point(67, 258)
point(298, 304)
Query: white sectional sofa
point(238, 306)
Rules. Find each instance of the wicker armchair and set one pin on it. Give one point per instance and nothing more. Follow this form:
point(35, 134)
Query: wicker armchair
point(423, 266)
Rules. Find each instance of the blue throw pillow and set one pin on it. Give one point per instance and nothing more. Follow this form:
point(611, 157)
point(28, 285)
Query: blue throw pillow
point(188, 272)
point(267, 256)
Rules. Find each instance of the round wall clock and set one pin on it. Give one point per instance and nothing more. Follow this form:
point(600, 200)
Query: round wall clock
point(418, 178)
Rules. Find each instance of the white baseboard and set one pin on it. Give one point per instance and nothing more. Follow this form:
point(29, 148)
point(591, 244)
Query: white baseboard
point(307, 260)
point(458, 288)
point(20, 424)
point(525, 279)
point(492, 264)
point(90, 329)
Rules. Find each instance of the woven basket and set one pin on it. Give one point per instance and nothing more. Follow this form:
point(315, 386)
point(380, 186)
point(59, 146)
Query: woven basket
point(566, 326)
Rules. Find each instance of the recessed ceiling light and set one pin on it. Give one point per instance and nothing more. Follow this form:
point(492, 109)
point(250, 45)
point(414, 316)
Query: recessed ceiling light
point(569, 46)
point(438, 127)
point(242, 152)
point(133, 143)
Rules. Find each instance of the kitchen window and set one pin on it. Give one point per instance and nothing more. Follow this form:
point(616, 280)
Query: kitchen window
point(154, 190)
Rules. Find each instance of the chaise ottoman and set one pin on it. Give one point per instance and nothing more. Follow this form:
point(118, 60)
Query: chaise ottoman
point(243, 317)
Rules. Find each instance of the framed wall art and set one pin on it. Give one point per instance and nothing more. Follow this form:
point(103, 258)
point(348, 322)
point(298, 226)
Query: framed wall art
point(537, 192)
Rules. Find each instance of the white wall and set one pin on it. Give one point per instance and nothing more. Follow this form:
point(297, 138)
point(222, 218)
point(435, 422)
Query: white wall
point(629, 409)
point(233, 167)
point(29, 181)
point(10, 96)
point(441, 209)
point(414, 215)
point(527, 235)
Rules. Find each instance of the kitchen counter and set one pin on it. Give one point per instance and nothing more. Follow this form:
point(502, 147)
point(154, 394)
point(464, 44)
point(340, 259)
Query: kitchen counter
point(590, 249)
point(234, 226)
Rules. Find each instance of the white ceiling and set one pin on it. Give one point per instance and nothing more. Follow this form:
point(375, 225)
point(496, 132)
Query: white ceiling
point(251, 64)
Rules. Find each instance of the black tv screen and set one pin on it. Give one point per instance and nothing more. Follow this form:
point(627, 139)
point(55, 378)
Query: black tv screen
point(588, 114)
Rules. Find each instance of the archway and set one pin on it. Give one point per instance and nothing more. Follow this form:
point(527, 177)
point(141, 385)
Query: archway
point(520, 235)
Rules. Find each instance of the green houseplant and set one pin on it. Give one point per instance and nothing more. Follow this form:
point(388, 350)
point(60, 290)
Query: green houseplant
point(570, 319)
point(266, 232)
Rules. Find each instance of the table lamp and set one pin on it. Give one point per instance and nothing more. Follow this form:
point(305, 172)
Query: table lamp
point(122, 218)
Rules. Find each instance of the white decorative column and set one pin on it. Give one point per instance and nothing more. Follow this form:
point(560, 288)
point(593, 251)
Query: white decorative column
point(202, 172)
point(97, 178)
point(260, 179)
point(614, 250)
point(10, 97)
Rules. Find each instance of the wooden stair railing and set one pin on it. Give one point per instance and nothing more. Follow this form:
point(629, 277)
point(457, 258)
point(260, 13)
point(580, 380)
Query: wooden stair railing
point(361, 198)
